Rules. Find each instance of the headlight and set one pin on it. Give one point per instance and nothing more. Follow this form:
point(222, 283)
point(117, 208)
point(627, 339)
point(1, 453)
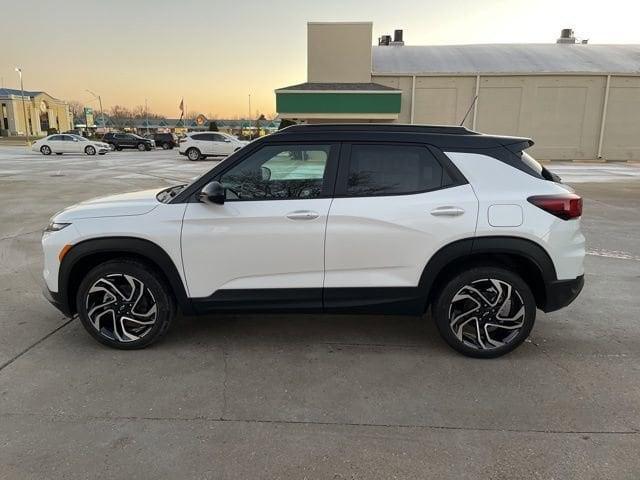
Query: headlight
point(56, 226)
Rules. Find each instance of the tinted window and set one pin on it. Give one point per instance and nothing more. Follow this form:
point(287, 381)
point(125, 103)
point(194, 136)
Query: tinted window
point(55, 138)
point(392, 170)
point(199, 136)
point(278, 172)
point(67, 138)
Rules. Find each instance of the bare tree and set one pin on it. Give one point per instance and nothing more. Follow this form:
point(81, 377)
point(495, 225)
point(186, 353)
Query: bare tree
point(76, 109)
point(119, 115)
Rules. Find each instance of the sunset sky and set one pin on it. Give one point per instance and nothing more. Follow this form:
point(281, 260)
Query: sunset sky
point(214, 53)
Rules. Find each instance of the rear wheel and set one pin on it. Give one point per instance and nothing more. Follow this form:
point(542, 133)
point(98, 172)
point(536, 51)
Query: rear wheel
point(193, 154)
point(166, 146)
point(125, 304)
point(485, 312)
point(141, 147)
point(45, 150)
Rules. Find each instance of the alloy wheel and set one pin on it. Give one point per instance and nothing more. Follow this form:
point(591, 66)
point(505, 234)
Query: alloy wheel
point(45, 150)
point(486, 314)
point(193, 154)
point(121, 307)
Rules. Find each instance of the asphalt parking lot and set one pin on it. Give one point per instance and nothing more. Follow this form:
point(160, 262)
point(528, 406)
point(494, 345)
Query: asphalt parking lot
point(304, 396)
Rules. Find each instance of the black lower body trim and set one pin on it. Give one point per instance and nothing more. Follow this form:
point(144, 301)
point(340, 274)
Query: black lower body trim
point(561, 293)
point(261, 300)
point(57, 301)
point(377, 300)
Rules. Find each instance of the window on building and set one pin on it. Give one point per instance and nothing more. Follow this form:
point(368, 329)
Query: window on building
point(5, 117)
point(392, 170)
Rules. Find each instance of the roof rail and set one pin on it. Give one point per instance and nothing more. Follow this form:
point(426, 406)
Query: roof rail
point(367, 127)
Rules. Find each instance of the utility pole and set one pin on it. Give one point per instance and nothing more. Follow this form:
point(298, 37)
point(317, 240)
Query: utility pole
point(24, 108)
point(146, 113)
point(104, 125)
point(249, 118)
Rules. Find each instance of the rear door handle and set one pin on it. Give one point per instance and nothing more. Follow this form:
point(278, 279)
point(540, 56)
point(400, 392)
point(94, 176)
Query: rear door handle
point(447, 211)
point(303, 215)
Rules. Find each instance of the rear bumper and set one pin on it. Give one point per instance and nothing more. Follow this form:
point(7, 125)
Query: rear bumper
point(561, 293)
point(57, 301)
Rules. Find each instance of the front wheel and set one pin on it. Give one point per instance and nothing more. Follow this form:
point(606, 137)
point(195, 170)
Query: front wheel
point(90, 150)
point(125, 304)
point(485, 312)
point(193, 154)
point(45, 150)
point(166, 146)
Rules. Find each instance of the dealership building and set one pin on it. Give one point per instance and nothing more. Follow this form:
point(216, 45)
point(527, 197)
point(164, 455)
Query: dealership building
point(577, 101)
point(35, 115)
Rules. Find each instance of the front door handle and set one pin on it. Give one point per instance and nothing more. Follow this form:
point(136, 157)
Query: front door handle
point(303, 215)
point(448, 211)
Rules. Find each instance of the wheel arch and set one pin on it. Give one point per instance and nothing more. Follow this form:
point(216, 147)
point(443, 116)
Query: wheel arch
point(523, 256)
point(90, 253)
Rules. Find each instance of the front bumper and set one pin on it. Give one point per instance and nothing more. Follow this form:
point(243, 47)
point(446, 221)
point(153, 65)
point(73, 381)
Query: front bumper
point(57, 301)
point(561, 293)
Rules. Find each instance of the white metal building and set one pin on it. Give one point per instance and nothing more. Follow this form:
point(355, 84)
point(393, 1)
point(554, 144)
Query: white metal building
point(577, 101)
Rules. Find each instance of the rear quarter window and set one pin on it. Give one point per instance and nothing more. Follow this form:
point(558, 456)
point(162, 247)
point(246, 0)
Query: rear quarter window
point(392, 170)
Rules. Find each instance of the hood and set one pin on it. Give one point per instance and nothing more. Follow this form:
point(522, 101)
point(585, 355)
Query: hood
point(125, 204)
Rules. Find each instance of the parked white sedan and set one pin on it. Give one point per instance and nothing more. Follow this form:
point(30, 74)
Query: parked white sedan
point(69, 143)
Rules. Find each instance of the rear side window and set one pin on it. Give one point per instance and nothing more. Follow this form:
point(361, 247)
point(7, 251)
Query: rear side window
point(392, 170)
point(199, 136)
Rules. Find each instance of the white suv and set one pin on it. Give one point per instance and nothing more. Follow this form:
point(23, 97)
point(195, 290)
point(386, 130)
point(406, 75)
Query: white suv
point(201, 145)
point(390, 219)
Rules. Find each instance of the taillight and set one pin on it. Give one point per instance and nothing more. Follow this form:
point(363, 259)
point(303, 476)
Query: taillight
point(565, 206)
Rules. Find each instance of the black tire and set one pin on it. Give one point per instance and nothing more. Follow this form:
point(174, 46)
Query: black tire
point(166, 146)
point(141, 147)
point(58, 153)
point(454, 301)
point(118, 148)
point(45, 150)
point(155, 292)
point(90, 150)
point(193, 154)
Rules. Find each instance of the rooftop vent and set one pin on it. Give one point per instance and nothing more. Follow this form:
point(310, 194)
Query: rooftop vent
point(386, 40)
point(566, 36)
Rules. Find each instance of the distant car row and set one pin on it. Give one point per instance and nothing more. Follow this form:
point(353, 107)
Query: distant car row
point(194, 146)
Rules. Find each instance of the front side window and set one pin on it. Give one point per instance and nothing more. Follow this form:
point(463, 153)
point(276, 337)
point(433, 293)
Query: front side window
point(278, 172)
point(55, 138)
point(392, 170)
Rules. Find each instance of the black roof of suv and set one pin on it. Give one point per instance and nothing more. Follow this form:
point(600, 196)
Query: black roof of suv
point(443, 137)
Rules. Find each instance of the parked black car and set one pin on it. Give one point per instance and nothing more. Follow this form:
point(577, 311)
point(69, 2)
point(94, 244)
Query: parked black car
point(118, 141)
point(165, 140)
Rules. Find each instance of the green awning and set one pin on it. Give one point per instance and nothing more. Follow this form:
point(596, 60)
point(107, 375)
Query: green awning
point(342, 103)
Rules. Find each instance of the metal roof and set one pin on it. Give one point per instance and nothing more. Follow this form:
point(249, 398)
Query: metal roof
point(5, 92)
point(506, 58)
point(335, 86)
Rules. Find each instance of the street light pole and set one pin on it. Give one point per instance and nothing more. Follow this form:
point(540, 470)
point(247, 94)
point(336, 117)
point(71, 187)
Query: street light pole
point(146, 114)
point(24, 108)
point(101, 112)
point(250, 132)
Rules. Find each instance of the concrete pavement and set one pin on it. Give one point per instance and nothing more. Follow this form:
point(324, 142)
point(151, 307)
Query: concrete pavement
point(304, 396)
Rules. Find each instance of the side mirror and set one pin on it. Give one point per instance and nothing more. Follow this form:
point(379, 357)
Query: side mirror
point(266, 173)
point(212, 192)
